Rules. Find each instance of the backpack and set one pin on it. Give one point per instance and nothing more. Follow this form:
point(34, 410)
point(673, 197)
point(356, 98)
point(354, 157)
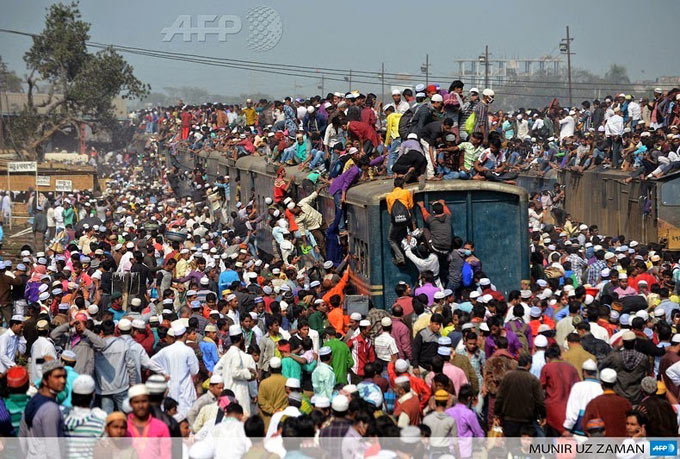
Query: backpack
point(400, 215)
point(520, 334)
point(405, 123)
point(467, 274)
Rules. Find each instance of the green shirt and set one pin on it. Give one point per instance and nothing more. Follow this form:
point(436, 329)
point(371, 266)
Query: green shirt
point(341, 359)
point(471, 154)
point(318, 322)
point(290, 368)
point(69, 215)
point(313, 177)
point(16, 404)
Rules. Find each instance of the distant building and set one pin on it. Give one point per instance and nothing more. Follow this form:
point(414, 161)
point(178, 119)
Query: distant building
point(501, 69)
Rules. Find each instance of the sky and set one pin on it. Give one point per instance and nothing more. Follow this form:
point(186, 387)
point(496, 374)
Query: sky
point(362, 34)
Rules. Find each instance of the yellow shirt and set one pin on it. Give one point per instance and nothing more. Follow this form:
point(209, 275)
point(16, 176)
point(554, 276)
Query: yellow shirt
point(392, 127)
point(348, 165)
point(421, 323)
point(399, 194)
point(251, 115)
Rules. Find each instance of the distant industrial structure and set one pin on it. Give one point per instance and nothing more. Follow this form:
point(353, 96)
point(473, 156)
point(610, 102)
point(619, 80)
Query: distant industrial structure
point(502, 69)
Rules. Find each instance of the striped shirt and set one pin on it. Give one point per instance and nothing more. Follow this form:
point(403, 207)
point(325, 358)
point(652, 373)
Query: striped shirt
point(84, 426)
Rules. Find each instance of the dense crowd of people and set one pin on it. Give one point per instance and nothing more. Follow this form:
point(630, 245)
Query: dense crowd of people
point(432, 133)
point(146, 311)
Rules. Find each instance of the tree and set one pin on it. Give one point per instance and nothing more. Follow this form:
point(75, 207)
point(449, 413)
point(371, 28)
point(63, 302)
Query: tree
point(617, 74)
point(9, 81)
point(81, 85)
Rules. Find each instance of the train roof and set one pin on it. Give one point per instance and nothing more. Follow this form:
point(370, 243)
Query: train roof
point(372, 192)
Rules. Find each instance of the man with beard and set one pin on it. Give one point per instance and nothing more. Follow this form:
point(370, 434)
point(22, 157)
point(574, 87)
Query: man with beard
point(237, 368)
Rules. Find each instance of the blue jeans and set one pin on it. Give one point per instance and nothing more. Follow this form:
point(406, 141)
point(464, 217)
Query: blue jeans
point(318, 157)
point(113, 402)
point(455, 175)
point(392, 155)
point(288, 154)
point(337, 197)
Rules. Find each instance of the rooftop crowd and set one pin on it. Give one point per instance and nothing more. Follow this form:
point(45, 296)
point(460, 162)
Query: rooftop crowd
point(145, 311)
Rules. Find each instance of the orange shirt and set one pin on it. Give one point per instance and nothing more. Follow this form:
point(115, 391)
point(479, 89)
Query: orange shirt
point(534, 324)
point(338, 320)
point(338, 289)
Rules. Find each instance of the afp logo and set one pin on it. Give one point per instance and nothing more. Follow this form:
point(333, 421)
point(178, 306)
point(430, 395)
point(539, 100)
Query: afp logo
point(663, 448)
point(263, 23)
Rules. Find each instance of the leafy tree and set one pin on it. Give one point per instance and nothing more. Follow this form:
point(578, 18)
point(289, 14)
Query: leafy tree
point(81, 85)
point(9, 81)
point(617, 74)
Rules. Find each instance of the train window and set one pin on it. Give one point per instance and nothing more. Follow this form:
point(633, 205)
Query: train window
point(359, 249)
point(670, 193)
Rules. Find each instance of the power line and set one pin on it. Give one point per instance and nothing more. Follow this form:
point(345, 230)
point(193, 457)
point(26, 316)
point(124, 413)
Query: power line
point(365, 77)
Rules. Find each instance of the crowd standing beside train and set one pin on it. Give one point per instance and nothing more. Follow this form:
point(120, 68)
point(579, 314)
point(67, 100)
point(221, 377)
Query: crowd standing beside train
point(150, 312)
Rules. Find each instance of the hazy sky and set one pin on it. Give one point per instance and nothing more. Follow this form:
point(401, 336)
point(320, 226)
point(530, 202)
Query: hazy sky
point(361, 34)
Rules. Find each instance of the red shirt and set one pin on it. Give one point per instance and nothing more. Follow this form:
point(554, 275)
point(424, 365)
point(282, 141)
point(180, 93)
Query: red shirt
point(406, 303)
point(186, 119)
point(651, 280)
point(362, 352)
point(280, 189)
point(363, 131)
point(292, 226)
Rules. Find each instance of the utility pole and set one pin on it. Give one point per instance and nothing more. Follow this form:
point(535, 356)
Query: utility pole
point(382, 83)
point(321, 86)
point(426, 69)
point(565, 48)
point(484, 59)
point(486, 66)
point(2, 132)
point(350, 81)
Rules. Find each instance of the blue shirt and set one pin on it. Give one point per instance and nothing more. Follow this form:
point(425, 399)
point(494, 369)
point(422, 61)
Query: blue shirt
point(226, 279)
point(210, 357)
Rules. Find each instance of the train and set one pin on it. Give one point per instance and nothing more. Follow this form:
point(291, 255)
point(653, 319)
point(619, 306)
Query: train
point(492, 215)
point(645, 211)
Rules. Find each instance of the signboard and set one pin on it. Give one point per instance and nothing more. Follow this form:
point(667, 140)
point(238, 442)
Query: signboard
point(63, 185)
point(22, 166)
point(356, 303)
point(44, 180)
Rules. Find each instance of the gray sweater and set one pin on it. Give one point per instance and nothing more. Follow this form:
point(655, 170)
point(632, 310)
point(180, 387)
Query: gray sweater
point(114, 367)
point(84, 348)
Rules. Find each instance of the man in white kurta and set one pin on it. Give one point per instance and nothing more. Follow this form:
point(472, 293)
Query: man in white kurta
point(179, 361)
point(41, 350)
point(237, 368)
point(580, 395)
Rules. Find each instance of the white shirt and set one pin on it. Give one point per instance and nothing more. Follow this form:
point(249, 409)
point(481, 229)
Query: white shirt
point(385, 347)
point(522, 129)
point(566, 127)
point(9, 345)
point(59, 216)
point(673, 373)
point(50, 217)
point(125, 262)
point(41, 348)
point(614, 126)
point(537, 363)
point(538, 124)
point(290, 411)
point(599, 332)
point(634, 111)
point(402, 107)
point(234, 369)
point(580, 395)
point(179, 361)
